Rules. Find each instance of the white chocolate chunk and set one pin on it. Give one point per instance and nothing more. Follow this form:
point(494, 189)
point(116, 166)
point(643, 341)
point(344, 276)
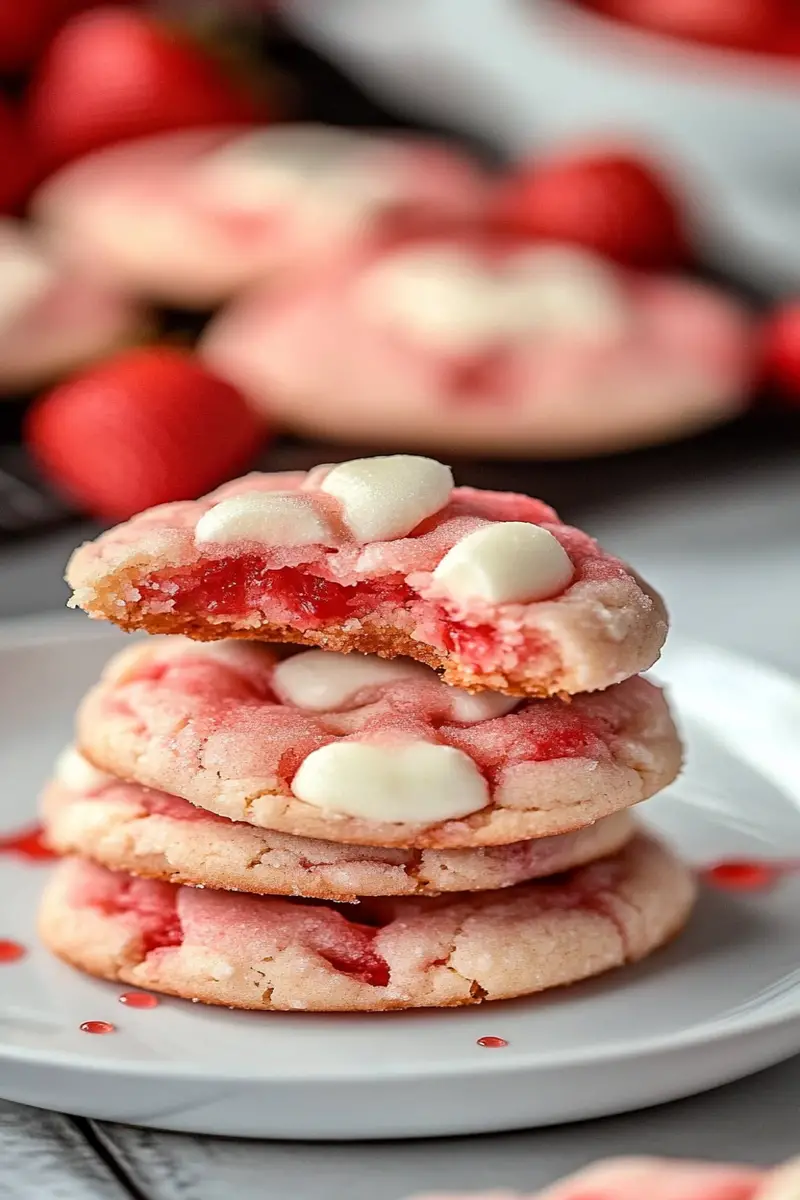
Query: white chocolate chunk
point(419, 782)
point(507, 562)
point(25, 276)
point(482, 706)
point(386, 497)
point(77, 774)
point(269, 518)
point(565, 290)
point(304, 167)
point(456, 303)
point(319, 681)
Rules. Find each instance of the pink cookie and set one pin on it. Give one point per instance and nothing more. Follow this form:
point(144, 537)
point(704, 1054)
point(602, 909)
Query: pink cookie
point(53, 319)
point(130, 828)
point(191, 218)
point(349, 748)
point(490, 347)
point(382, 555)
point(659, 1179)
point(262, 952)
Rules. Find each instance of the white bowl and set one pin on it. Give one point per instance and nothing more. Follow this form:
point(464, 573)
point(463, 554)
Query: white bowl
point(531, 73)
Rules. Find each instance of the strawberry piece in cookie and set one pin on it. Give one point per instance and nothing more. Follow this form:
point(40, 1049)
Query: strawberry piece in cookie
point(355, 749)
point(383, 556)
point(264, 952)
point(126, 827)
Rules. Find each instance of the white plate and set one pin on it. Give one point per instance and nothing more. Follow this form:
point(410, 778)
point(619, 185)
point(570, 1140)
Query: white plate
point(722, 1001)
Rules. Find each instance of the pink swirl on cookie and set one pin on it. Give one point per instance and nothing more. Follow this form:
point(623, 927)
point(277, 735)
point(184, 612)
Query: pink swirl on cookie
point(265, 952)
point(126, 827)
point(383, 556)
point(387, 755)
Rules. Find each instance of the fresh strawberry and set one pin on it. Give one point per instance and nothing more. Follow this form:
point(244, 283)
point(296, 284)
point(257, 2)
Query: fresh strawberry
point(16, 164)
point(607, 200)
point(111, 75)
point(735, 24)
point(781, 350)
point(148, 426)
point(26, 27)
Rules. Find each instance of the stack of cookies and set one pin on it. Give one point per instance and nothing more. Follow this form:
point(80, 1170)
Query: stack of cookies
point(429, 806)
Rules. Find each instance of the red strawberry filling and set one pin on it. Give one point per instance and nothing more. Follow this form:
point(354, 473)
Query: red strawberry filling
point(232, 587)
point(237, 586)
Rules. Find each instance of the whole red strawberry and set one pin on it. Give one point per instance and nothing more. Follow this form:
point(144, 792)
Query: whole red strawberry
point(781, 350)
point(735, 24)
point(607, 200)
point(111, 75)
point(146, 427)
point(26, 27)
point(16, 163)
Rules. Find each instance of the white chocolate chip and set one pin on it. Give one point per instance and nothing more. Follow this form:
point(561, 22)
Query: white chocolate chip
point(418, 782)
point(311, 168)
point(77, 774)
point(482, 706)
point(384, 498)
point(323, 682)
point(269, 518)
point(507, 562)
point(453, 301)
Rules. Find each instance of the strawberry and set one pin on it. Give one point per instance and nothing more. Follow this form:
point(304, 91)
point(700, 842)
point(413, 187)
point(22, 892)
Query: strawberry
point(735, 24)
point(606, 200)
point(781, 350)
point(148, 426)
point(16, 163)
point(111, 75)
point(26, 26)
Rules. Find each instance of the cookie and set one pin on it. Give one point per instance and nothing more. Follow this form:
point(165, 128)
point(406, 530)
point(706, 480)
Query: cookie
point(469, 347)
point(382, 555)
point(53, 319)
point(188, 219)
point(261, 952)
point(659, 1179)
point(354, 749)
point(130, 828)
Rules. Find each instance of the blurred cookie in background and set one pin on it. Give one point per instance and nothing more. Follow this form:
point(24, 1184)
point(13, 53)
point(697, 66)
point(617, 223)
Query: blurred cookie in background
point(487, 345)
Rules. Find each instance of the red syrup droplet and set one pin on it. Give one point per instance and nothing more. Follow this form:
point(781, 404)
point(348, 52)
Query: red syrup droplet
point(139, 1000)
point(492, 1043)
point(29, 844)
point(741, 876)
point(98, 1027)
point(11, 952)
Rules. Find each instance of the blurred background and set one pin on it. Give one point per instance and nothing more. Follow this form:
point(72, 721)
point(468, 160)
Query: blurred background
point(556, 242)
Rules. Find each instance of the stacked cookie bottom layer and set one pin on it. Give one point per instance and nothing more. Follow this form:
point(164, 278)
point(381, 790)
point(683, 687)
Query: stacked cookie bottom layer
point(163, 893)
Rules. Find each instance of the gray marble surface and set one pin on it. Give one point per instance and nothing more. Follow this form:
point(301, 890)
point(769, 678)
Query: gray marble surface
point(725, 549)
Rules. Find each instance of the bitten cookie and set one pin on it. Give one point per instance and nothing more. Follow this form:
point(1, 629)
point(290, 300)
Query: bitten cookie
point(130, 828)
point(354, 749)
point(382, 555)
point(269, 953)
